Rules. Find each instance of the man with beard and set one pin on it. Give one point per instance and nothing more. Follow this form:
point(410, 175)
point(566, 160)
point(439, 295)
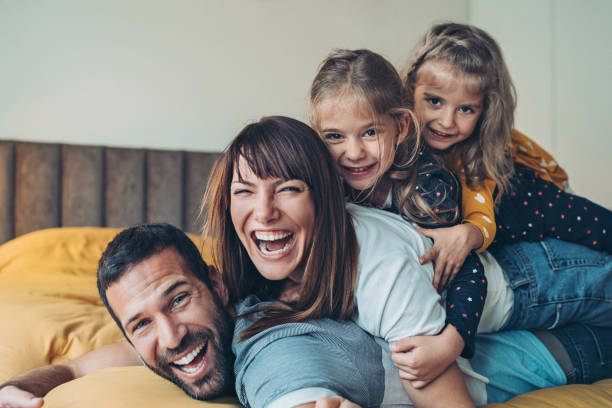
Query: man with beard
point(172, 309)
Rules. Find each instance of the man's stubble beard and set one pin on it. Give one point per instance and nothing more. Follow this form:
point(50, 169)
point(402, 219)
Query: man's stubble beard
point(219, 379)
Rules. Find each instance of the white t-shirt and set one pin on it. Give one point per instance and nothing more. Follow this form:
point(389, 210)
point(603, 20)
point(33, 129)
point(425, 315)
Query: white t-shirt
point(395, 296)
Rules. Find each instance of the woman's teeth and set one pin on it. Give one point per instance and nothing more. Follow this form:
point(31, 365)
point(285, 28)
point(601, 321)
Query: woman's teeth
point(273, 243)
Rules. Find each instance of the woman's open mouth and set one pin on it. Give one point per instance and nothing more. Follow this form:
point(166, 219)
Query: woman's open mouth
point(273, 243)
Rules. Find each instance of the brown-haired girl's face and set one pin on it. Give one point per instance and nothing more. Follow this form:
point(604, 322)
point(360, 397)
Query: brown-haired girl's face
point(274, 220)
point(361, 143)
point(447, 103)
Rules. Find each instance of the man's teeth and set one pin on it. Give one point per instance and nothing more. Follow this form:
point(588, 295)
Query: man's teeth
point(189, 357)
point(191, 370)
point(271, 236)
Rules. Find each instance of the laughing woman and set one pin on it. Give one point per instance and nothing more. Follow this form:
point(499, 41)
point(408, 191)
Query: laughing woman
point(275, 205)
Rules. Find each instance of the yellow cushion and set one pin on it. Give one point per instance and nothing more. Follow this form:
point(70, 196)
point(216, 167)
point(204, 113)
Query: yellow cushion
point(126, 387)
point(49, 304)
point(569, 396)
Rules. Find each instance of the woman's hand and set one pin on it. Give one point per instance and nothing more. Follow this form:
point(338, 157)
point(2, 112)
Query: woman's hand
point(451, 246)
point(421, 359)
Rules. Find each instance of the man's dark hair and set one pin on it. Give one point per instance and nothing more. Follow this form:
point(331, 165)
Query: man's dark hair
point(133, 245)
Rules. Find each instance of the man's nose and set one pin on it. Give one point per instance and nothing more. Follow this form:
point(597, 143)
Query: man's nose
point(170, 333)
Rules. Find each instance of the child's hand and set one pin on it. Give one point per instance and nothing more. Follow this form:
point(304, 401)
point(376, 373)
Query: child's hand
point(451, 246)
point(421, 359)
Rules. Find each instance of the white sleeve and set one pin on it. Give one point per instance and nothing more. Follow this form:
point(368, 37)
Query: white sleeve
point(396, 298)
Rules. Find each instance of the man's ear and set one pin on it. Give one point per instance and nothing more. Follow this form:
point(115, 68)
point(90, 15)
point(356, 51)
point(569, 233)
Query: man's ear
point(217, 284)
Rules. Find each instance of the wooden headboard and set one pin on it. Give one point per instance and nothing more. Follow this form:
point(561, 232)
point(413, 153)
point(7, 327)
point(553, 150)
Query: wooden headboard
point(44, 185)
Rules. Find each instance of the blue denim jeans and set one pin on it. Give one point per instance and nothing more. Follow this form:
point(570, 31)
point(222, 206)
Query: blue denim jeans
point(556, 283)
point(589, 349)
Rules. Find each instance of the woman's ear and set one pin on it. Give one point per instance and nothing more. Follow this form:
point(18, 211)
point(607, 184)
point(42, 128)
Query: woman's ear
point(217, 284)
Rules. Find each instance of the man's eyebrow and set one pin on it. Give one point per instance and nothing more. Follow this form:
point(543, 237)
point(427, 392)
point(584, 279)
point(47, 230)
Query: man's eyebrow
point(169, 290)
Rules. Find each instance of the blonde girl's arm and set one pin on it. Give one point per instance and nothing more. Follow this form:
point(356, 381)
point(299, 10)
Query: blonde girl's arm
point(421, 359)
point(478, 208)
point(447, 390)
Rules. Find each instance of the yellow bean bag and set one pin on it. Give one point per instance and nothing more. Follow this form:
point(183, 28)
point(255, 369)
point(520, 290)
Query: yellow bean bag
point(50, 312)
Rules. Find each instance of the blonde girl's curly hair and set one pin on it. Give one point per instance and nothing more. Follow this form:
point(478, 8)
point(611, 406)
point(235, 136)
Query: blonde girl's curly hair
point(473, 52)
point(374, 81)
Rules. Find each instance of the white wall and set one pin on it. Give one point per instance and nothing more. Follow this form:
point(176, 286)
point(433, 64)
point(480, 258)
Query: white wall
point(184, 74)
point(559, 53)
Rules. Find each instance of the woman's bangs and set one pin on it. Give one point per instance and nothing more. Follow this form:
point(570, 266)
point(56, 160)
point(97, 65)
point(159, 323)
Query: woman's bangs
point(271, 157)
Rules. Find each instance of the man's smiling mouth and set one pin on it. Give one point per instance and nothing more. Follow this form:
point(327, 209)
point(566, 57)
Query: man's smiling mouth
point(193, 362)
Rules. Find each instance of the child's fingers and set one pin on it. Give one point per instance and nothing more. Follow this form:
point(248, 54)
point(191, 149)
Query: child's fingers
point(430, 233)
point(419, 383)
point(403, 345)
point(429, 256)
point(404, 375)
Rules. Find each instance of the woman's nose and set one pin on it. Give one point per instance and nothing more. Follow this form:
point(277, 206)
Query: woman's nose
point(265, 208)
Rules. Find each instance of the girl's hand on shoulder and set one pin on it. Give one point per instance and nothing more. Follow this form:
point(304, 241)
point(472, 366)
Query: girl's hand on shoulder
point(451, 246)
point(421, 359)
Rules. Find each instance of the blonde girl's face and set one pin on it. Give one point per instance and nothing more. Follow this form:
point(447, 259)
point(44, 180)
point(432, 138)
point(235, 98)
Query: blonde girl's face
point(446, 104)
point(362, 145)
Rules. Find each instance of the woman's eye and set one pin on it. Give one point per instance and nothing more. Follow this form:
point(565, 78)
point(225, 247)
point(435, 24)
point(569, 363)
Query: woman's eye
point(466, 109)
point(293, 189)
point(240, 191)
point(434, 101)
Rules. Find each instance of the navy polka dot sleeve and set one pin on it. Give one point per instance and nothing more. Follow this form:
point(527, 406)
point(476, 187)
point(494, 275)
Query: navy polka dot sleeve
point(467, 292)
point(536, 208)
